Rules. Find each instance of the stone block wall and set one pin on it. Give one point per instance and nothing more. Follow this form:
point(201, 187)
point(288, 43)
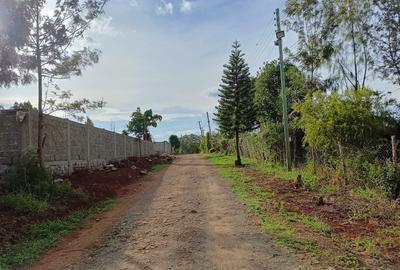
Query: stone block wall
point(68, 145)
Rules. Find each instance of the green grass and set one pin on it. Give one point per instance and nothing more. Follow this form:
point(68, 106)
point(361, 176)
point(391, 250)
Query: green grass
point(41, 237)
point(23, 203)
point(279, 223)
point(308, 178)
point(366, 194)
point(159, 167)
point(329, 189)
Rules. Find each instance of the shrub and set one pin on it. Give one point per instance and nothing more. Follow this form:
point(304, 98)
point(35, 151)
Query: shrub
point(55, 191)
point(364, 173)
point(205, 143)
point(23, 203)
point(26, 174)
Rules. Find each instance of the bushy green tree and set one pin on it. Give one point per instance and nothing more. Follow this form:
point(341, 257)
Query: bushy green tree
point(235, 110)
point(267, 90)
point(140, 123)
point(342, 124)
point(354, 119)
point(175, 142)
point(268, 102)
point(190, 144)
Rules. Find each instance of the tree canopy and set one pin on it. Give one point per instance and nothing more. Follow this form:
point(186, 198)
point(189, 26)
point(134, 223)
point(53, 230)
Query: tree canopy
point(175, 142)
point(14, 35)
point(190, 144)
point(140, 123)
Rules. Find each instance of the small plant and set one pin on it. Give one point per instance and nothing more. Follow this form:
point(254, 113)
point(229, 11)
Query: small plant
point(51, 191)
point(329, 189)
point(23, 203)
point(366, 246)
point(40, 237)
point(159, 167)
point(27, 176)
point(26, 173)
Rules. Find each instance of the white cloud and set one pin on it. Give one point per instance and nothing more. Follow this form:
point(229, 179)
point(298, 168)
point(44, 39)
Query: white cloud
point(186, 6)
point(102, 25)
point(166, 8)
point(133, 3)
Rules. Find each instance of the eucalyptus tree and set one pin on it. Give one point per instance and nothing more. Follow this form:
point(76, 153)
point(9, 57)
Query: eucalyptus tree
point(387, 39)
point(315, 37)
point(14, 33)
point(48, 52)
point(353, 41)
point(334, 33)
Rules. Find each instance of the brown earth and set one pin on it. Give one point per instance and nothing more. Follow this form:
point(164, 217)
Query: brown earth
point(336, 212)
point(183, 218)
point(98, 184)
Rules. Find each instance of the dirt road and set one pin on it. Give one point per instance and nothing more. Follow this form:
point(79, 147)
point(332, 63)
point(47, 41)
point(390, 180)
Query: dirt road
point(183, 218)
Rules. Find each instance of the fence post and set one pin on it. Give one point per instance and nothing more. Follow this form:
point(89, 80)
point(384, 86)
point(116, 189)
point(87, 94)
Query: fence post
point(69, 147)
point(394, 152)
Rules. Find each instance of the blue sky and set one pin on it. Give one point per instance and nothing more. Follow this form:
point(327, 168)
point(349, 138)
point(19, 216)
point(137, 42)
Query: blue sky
point(168, 56)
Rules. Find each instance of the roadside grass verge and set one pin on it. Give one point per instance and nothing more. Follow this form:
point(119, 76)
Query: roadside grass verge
point(23, 203)
point(42, 236)
point(305, 234)
point(159, 167)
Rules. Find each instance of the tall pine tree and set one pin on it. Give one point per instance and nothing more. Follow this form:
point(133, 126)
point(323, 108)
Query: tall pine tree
point(235, 111)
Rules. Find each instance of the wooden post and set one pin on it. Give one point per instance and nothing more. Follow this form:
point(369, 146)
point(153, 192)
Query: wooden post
point(394, 152)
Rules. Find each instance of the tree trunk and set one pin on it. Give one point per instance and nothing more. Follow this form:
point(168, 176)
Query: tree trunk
point(354, 57)
point(238, 161)
point(342, 158)
point(40, 89)
point(294, 150)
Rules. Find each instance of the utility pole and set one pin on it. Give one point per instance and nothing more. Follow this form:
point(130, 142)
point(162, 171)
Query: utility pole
point(209, 125)
point(201, 129)
point(279, 35)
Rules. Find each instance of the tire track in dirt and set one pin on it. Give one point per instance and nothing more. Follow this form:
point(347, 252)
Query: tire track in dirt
point(186, 219)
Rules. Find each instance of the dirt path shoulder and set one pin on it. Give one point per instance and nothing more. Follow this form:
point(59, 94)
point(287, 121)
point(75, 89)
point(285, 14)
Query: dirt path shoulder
point(183, 218)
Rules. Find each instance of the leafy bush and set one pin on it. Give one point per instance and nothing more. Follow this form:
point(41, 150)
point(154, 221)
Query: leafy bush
point(55, 191)
point(190, 144)
point(205, 143)
point(26, 174)
point(369, 174)
point(369, 202)
point(23, 203)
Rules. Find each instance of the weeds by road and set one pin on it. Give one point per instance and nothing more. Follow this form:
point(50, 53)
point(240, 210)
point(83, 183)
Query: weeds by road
point(33, 218)
point(330, 234)
point(159, 167)
point(42, 236)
